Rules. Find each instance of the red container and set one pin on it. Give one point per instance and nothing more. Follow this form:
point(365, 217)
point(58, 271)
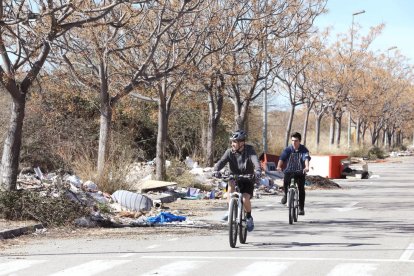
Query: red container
point(335, 168)
point(328, 166)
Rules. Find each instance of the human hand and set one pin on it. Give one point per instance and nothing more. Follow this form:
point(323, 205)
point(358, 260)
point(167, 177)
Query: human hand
point(305, 170)
point(279, 169)
point(258, 174)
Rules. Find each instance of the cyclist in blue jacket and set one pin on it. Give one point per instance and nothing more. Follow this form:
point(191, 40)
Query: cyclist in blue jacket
point(297, 158)
point(242, 159)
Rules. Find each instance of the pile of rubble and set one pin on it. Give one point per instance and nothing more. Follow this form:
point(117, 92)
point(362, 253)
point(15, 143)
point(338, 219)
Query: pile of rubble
point(141, 206)
point(319, 182)
point(144, 204)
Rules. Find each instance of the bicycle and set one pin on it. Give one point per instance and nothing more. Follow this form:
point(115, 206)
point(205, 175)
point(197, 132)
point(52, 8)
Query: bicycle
point(237, 214)
point(293, 201)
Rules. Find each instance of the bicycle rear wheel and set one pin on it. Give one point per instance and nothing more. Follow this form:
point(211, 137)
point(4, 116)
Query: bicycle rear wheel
point(291, 204)
point(233, 222)
point(242, 225)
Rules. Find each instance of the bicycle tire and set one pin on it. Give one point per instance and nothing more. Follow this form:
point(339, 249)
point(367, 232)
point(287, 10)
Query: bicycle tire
point(296, 207)
point(233, 223)
point(291, 204)
point(242, 225)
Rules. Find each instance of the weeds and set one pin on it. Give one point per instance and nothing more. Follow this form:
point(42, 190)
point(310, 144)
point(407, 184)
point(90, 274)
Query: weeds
point(49, 210)
point(369, 153)
point(116, 168)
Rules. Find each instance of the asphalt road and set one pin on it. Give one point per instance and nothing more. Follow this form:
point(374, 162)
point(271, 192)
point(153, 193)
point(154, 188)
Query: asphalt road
point(366, 228)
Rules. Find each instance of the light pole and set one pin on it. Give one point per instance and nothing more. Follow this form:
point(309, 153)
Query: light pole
point(264, 133)
point(352, 70)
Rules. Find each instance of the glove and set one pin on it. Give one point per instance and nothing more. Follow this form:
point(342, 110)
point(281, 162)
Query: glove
point(217, 174)
point(258, 174)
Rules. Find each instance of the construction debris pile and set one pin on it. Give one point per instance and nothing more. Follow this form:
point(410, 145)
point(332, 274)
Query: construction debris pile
point(61, 198)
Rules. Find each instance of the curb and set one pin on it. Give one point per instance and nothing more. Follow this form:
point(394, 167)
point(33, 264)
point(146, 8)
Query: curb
point(12, 233)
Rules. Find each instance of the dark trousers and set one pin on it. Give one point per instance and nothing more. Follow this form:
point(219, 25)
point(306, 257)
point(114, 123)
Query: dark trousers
point(300, 179)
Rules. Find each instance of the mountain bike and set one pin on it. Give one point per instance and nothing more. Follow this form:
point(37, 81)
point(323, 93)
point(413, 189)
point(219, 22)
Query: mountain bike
point(293, 201)
point(237, 215)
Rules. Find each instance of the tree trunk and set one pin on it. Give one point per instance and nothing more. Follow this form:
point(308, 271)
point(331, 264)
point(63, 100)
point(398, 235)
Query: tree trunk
point(305, 126)
point(289, 125)
point(105, 122)
point(358, 131)
point(211, 132)
point(11, 149)
point(160, 170)
point(203, 141)
point(332, 130)
point(338, 131)
point(318, 130)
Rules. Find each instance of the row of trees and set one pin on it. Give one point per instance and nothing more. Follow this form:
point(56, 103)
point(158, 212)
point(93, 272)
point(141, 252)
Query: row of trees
point(200, 52)
point(344, 78)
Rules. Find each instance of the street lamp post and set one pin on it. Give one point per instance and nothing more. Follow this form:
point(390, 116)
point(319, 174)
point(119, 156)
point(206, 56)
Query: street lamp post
point(352, 48)
point(264, 134)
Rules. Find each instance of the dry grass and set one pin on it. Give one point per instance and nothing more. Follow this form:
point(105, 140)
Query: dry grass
point(116, 168)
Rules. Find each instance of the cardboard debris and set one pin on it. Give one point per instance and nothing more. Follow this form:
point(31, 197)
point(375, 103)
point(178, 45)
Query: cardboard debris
point(148, 185)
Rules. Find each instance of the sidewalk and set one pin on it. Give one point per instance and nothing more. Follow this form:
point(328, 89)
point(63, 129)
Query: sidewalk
point(12, 229)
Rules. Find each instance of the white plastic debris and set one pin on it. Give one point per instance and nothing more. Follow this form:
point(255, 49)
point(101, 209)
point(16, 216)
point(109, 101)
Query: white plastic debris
point(75, 180)
point(132, 201)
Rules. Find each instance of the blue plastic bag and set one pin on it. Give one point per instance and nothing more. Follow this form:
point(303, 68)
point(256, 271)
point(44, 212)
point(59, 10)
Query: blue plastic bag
point(165, 217)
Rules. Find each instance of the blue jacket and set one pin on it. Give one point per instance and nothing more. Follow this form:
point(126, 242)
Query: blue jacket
point(295, 159)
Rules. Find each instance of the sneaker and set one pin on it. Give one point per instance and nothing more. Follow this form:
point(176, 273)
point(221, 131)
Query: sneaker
point(284, 199)
point(249, 224)
point(225, 217)
point(301, 212)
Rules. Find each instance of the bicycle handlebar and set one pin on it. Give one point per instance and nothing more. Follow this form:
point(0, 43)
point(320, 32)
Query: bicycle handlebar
point(236, 176)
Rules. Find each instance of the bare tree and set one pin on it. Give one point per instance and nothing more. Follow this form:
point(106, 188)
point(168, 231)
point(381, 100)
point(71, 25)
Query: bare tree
point(28, 30)
point(121, 58)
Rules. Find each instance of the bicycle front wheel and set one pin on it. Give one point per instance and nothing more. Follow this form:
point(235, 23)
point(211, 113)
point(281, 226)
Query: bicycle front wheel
point(233, 222)
point(242, 225)
point(291, 204)
point(296, 207)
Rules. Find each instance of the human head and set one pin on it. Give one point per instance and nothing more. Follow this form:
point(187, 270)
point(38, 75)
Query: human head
point(238, 139)
point(296, 138)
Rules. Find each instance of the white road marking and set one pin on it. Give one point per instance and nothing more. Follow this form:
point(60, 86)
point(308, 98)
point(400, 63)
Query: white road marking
point(174, 269)
point(153, 246)
point(348, 207)
point(265, 268)
point(407, 253)
point(354, 269)
point(277, 259)
point(127, 255)
point(173, 239)
point(91, 268)
point(13, 266)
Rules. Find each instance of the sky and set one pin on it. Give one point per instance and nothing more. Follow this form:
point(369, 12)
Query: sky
point(397, 15)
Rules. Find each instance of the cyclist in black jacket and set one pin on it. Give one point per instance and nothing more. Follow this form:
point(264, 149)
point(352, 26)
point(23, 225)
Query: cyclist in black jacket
point(242, 159)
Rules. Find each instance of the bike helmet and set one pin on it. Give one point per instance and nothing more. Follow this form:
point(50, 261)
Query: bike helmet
point(239, 135)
